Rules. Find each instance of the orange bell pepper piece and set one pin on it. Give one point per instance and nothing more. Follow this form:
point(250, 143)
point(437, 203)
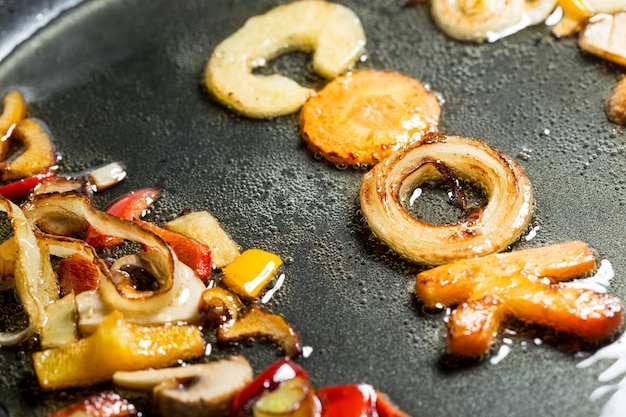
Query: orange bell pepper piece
point(522, 284)
point(116, 345)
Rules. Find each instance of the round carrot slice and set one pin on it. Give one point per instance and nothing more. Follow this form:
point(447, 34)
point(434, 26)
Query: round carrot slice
point(361, 117)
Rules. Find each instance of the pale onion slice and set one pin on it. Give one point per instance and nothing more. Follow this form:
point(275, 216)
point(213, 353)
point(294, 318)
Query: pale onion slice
point(13, 111)
point(331, 31)
point(60, 326)
point(607, 6)
point(183, 308)
point(38, 155)
point(473, 20)
point(488, 20)
point(106, 176)
point(34, 284)
point(507, 188)
point(53, 212)
point(537, 11)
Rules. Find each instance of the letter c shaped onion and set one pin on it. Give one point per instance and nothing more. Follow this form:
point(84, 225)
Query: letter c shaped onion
point(391, 181)
point(331, 31)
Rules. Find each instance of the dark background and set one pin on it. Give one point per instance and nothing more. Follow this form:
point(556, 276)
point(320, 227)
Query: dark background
point(120, 80)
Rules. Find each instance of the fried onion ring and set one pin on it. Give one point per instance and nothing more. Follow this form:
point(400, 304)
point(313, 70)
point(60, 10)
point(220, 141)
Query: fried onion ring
point(331, 31)
point(34, 287)
point(488, 230)
point(488, 20)
point(13, 112)
point(64, 213)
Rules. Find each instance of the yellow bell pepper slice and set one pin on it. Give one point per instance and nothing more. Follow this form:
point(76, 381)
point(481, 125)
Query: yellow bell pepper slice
point(250, 272)
point(116, 345)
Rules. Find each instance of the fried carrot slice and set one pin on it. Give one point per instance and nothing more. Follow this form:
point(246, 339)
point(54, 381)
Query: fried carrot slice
point(522, 284)
point(13, 111)
point(361, 117)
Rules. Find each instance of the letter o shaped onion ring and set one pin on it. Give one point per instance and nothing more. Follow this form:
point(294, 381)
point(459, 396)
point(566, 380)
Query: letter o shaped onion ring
point(506, 215)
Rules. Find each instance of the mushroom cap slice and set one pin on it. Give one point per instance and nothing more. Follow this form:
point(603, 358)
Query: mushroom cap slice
point(208, 392)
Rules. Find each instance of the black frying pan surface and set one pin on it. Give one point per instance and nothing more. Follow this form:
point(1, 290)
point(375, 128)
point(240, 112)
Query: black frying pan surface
point(120, 80)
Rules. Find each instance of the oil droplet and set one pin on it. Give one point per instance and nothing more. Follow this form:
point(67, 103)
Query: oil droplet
point(503, 352)
point(532, 234)
point(307, 351)
point(270, 293)
point(616, 404)
point(599, 282)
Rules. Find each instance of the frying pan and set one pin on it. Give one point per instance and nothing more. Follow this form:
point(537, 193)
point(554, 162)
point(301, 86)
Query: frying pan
point(120, 80)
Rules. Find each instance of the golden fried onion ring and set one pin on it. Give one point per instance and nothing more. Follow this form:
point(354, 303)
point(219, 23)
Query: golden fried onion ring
point(39, 153)
point(390, 182)
point(331, 31)
point(13, 112)
point(64, 213)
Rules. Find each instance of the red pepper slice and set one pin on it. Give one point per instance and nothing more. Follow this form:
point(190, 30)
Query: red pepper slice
point(385, 408)
point(280, 371)
point(192, 253)
point(131, 206)
point(18, 190)
point(356, 400)
point(105, 404)
point(350, 400)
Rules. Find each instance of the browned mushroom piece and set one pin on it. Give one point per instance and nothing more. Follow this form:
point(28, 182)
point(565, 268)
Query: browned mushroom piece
point(615, 104)
point(257, 323)
point(604, 37)
point(205, 393)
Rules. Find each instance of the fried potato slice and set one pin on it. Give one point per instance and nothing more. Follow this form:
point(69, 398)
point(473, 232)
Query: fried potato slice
point(361, 117)
point(522, 284)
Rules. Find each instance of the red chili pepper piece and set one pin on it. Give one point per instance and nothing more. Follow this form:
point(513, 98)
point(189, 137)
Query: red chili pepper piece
point(78, 274)
point(106, 404)
point(350, 400)
point(131, 206)
point(280, 371)
point(18, 190)
point(192, 253)
point(385, 408)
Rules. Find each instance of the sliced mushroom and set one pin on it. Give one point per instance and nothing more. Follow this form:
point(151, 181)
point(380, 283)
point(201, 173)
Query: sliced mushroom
point(148, 379)
point(219, 306)
point(615, 104)
point(208, 391)
point(604, 36)
point(257, 323)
